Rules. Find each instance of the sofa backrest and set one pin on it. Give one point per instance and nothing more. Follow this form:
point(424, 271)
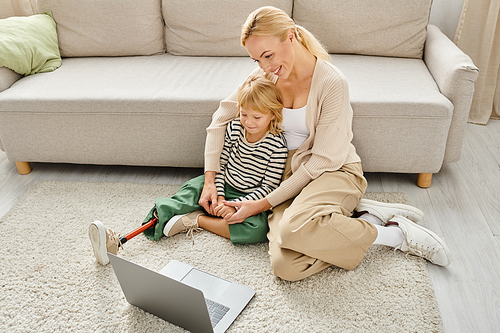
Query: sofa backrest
point(395, 28)
point(107, 27)
point(210, 27)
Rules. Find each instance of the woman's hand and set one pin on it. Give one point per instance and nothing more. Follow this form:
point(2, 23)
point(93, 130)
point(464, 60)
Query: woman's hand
point(247, 208)
point(208, 198)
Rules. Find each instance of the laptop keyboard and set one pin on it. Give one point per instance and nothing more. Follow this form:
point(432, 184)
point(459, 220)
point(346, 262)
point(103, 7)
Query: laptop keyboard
point(216, 311)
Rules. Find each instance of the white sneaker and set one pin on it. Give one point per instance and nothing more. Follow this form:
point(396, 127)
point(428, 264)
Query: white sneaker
point(385, 211)
point(183, 223)
point(421, 242)
point(103, 241)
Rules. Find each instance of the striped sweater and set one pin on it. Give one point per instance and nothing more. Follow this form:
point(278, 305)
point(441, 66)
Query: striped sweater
point(253, 168)
point(328, 119)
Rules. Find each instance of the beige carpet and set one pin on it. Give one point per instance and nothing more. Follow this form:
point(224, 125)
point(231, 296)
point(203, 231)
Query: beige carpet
point(50, 281)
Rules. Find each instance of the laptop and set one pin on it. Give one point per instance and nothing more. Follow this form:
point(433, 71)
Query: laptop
point(182, 295)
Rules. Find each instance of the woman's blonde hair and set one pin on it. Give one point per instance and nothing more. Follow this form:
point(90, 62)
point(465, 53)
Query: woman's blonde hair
point(260, 94)
point(271, 21)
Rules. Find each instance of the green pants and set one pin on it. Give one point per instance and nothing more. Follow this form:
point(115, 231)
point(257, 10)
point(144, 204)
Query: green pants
point(253, 230)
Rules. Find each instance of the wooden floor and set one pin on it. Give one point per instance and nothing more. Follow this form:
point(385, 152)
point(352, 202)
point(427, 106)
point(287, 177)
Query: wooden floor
point(462, 206)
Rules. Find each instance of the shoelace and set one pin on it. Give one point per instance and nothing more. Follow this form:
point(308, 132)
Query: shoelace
point(114, 238)
point(191, 229)
point(418, 250)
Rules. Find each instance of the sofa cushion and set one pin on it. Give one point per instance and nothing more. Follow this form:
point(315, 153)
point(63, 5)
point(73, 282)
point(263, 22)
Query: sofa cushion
point(89, 28)
point(160, 101)
point(28, 45)
point(158, 83)
point(377, 27)
point(399, 99)
point(210, 27)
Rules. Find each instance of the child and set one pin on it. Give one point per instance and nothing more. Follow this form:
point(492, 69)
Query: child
point(251, 166)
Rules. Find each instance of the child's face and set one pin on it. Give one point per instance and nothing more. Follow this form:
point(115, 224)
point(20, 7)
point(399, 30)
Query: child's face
point(255, 123)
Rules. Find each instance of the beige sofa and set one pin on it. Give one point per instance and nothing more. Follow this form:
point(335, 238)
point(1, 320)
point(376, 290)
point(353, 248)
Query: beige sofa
point(140, 81)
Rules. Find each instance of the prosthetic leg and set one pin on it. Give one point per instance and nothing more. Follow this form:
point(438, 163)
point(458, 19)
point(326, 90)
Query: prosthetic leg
point(105, 240)
point(140, 230)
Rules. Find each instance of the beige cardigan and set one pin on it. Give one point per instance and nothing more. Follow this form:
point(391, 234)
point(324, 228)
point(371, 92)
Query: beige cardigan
point(328, 119)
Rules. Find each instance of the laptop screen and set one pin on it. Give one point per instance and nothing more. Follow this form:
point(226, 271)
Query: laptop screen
point(211, 286)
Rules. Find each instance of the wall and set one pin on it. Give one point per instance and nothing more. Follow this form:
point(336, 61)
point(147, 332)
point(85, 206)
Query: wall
point(445, 14)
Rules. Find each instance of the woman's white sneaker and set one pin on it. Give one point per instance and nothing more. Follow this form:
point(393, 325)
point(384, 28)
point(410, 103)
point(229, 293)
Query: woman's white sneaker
point(385, 211)
point(422, 242)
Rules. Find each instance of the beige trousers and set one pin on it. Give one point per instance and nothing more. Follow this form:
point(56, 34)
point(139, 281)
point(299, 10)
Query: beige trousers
point(315, 230)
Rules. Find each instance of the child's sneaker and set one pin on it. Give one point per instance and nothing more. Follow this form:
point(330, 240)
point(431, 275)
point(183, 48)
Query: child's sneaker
point(103, 241)
point(183, 223)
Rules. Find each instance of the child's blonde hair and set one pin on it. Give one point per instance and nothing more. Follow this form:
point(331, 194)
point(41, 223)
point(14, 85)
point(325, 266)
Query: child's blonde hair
point(260, 94)
point(271, 21)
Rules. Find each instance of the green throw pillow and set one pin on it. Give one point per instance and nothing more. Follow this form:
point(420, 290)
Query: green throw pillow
point(28, 45)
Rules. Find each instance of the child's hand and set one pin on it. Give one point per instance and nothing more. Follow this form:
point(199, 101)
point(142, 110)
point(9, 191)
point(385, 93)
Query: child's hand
point(220, 200)
point(224, 211)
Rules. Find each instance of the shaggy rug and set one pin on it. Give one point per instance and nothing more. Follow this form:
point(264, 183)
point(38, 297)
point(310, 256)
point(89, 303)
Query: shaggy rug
point(50, 281)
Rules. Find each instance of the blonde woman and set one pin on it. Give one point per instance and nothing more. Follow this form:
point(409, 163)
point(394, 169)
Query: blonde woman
point(312, 226)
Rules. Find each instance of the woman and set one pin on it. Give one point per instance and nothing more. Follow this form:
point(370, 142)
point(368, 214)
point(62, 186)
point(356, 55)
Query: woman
point(312, 226)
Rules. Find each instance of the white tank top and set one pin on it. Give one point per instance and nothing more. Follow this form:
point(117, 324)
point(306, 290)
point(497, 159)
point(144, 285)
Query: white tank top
point(294, 126)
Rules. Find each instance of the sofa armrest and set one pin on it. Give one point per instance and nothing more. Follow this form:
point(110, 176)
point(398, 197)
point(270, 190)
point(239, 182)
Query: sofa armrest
point(7, 78)
point(455, 74)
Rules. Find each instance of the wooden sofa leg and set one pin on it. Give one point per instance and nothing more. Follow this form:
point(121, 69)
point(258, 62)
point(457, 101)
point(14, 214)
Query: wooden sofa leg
point(23, 167)
point(424, 180)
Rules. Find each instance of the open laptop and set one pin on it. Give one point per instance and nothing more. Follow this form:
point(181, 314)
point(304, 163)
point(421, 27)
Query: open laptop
point(182, 294)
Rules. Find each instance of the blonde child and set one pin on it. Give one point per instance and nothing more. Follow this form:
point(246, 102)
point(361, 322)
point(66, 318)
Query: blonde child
point(251, 166)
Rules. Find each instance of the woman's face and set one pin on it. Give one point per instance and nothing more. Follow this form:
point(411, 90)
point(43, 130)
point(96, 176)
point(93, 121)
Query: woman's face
point(272, 55)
